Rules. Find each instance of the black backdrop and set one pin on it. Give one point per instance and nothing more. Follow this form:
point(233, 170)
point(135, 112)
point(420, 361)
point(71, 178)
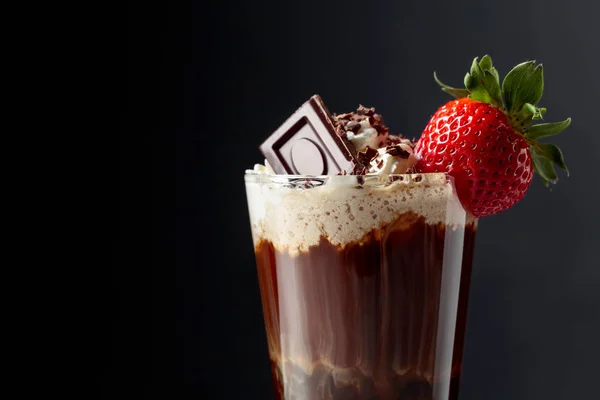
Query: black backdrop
point(230, 72)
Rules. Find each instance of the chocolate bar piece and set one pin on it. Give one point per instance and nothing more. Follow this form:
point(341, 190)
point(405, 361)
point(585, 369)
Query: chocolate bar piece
point(308, 144)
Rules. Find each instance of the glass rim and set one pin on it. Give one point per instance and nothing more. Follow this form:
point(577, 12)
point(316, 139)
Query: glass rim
point(431, 178)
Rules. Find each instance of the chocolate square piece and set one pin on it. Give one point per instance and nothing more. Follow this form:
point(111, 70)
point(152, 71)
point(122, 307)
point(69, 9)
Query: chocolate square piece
point(308, 144)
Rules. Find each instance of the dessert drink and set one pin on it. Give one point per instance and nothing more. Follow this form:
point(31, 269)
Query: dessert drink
point(364, 239)
point(364, 285)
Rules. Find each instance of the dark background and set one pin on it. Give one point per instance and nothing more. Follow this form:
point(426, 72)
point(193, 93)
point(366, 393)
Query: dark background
point(225, 75)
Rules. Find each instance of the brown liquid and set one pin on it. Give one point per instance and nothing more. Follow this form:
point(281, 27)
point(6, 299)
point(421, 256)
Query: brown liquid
point(383, 318)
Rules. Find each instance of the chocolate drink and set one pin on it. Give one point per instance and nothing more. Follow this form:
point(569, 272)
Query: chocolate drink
point(364, 284)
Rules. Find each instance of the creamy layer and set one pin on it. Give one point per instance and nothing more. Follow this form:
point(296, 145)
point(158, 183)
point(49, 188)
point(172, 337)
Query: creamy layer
point(294, 218)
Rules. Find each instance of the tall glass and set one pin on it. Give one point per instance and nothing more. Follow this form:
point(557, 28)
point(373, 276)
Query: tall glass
point(364, 283)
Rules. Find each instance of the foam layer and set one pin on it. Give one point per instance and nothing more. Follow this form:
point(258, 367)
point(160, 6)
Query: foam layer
point(293, 217)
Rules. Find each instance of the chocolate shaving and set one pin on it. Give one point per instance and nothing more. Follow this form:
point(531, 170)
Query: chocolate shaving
point(394, 139)
point(343, 116)
point(362, 110)
point(351, 121)
point(366, 156)
point(359, 170)
point(352, 126)
point(397, 151)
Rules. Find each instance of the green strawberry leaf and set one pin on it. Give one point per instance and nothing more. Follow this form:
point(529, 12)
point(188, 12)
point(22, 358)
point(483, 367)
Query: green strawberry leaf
point(533, 111)
point(486, 63)
point(490, 82)
point(549, 129)
point(541, 111)
point(523, 84)
point(473, 78)
point(523, 119)
point(552, 153)
point(543, 167)
point(457, 93)
point(478, 93)
point(491, 79)
point(476, 70)
point(482, 82)
point(487, 66)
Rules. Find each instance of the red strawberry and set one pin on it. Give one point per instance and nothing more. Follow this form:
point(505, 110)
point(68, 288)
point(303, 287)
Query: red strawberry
point(476, 144)
point(485, 139)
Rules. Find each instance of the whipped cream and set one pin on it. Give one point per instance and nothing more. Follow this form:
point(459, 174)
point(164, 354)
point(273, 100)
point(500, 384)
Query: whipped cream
point(386, 163)
point(261, 169)
point(367, 136)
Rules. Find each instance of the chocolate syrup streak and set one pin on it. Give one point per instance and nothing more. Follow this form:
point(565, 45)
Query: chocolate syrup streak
point(380, 319)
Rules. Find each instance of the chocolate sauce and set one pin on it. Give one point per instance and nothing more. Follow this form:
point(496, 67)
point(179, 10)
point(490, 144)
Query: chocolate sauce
point(383, 318)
